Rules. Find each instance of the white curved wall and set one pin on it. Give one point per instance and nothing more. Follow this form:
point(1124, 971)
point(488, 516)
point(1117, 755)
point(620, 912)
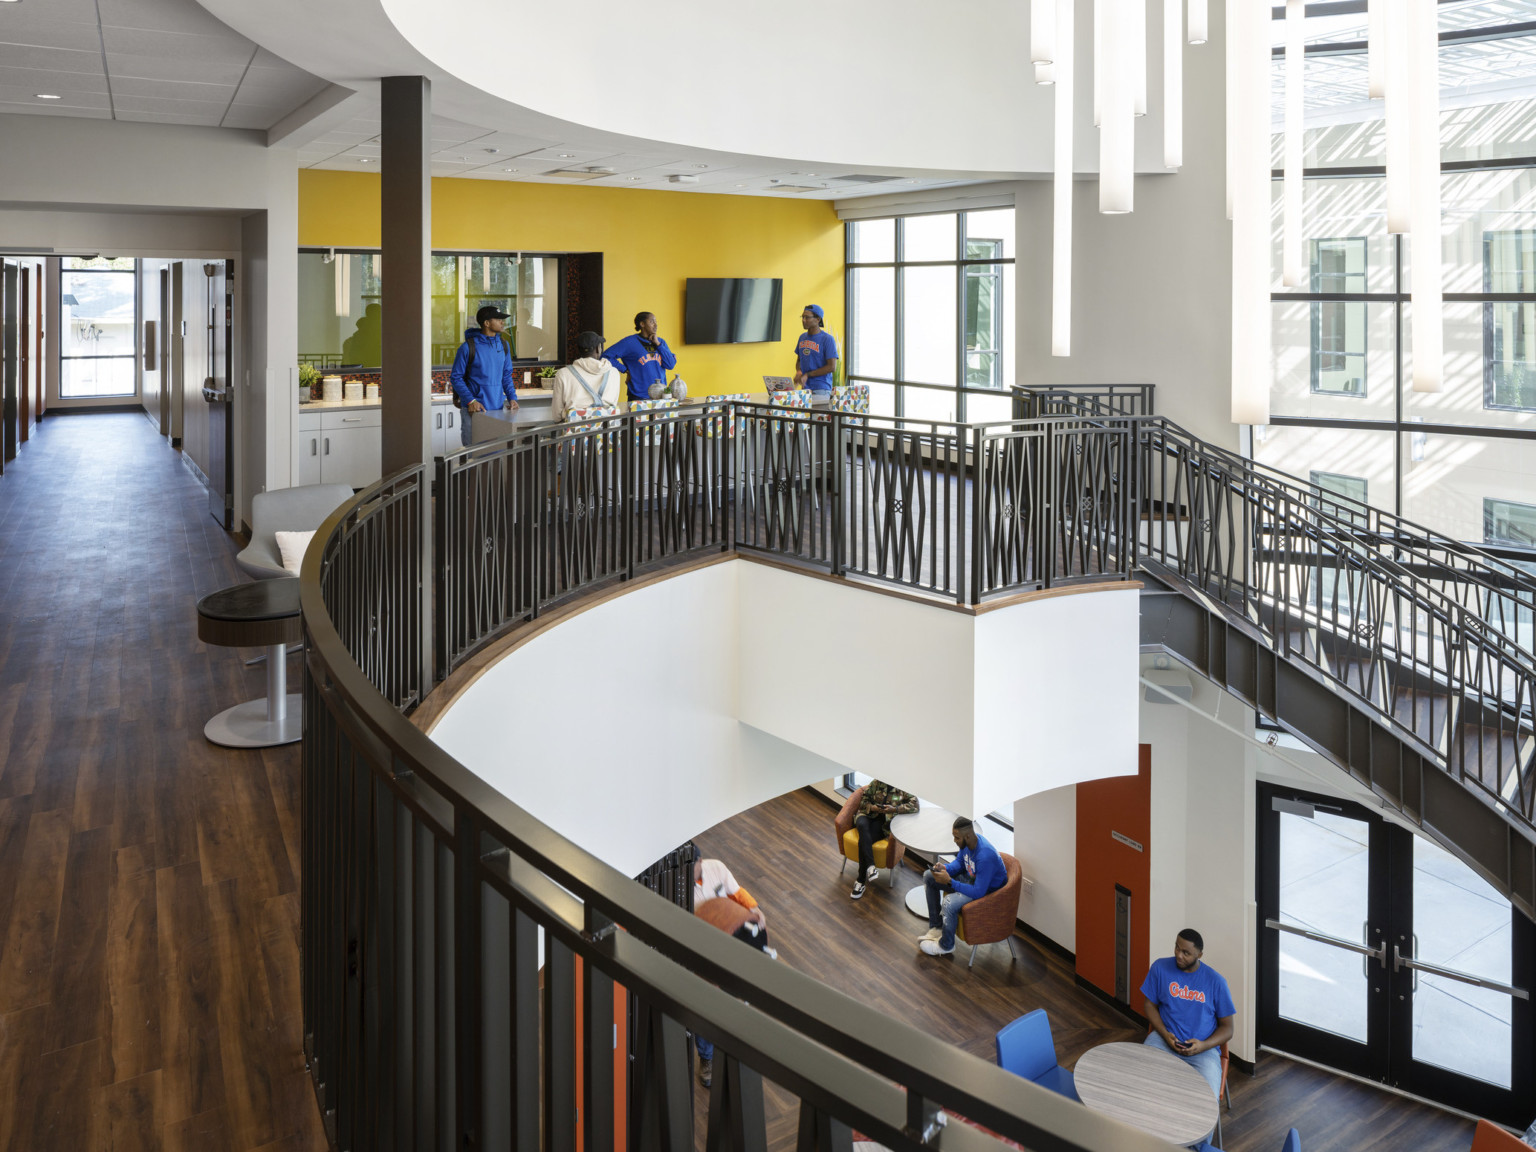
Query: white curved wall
point(652, 716)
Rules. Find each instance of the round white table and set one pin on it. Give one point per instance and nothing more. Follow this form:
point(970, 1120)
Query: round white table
point(930, 829)
point(1147, 1088)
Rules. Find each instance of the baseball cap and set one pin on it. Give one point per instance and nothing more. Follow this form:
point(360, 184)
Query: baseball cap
point(489, 312)
point(815, 310)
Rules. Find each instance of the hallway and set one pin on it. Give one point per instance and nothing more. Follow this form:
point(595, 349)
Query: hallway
point(149, 912)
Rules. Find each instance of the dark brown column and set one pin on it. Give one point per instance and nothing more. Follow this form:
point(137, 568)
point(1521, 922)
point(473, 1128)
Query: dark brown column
point(406, 203)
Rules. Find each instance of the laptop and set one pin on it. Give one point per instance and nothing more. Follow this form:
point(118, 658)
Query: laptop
point(779, 383)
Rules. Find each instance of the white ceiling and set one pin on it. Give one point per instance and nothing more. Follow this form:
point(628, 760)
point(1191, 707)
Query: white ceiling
point(174, 62)
point(162, 61)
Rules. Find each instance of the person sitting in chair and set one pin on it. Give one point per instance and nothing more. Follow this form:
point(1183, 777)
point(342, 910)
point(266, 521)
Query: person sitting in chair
point(1189, 1007)
point(879, 803)
point(975, 871)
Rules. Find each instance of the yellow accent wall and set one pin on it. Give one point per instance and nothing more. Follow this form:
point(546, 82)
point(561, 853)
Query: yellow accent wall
point(651, 243)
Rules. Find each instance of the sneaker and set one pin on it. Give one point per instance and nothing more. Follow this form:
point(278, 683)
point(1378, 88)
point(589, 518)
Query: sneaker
point(858, 890)
point(771, 953)
point(931, 934)
point(706, 1072)
point(871, 874)
point(934, 948)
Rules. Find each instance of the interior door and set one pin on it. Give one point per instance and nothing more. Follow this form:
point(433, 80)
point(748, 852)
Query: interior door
point(40, 394)
point(218, 391)
point(1382, 954)
point(11, 337)
point(163, 350)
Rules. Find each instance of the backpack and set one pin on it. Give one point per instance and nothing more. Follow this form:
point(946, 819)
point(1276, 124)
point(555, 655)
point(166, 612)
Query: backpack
point(469, 362)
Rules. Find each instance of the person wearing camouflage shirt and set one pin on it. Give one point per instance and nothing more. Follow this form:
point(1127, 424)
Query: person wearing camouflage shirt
point(879, 804)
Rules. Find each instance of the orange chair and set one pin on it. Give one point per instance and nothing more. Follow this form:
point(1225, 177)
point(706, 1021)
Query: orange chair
point(887, 852)
point(992, 919)
point(1491, 1138)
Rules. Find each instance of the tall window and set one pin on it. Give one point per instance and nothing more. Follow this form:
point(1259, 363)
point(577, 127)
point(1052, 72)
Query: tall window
point(931, 313)
point(1338, 326)
point(98, 344)
point(1509, 327)
point(1506, 522)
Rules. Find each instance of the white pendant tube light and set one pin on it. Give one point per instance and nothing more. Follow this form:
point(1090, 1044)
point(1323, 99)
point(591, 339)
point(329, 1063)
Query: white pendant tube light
point(1117, 132)
point(1295, 71)
point(1423, 51)
point(1098, 60)
point(1199, 22)
point(1045, 73)
point(1398, 95)
point(1234, 100)
point(1061, 194)
point(1249, 117)
point(1138, 54)
point(1042, 31)
point(1375, 60)
point(1173, 86)
point(343, 285)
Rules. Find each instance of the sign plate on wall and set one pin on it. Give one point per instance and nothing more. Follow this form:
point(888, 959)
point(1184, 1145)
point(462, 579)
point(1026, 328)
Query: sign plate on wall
point(1127, 841)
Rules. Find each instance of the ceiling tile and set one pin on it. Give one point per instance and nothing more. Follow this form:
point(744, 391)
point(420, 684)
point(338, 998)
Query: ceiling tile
point(160, 16)
point(121, 64)
point(226, 49)
point(50, 59)
point(512, 144)
point(560, 154)
point(18, 27)
point(190, 119)
point(59, 108)
point(200, 108)
point(75, 95)
point(171, 90)
point(60, 83)
point(74, 11)
point(252, 116)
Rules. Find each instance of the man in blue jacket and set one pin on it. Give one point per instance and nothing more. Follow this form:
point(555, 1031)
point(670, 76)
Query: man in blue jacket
point(975, 871)
point(644, 356)
point(482, 375)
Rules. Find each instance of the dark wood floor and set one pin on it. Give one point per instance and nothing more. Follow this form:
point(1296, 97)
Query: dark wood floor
point(868, 948)
point(148, 909)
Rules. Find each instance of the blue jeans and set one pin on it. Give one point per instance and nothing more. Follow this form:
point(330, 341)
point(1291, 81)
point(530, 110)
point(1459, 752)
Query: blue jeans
point(943, 912)
point(706, 1049)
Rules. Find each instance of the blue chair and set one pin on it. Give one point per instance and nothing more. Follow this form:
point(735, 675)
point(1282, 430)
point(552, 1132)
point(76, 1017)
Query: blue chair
point(1026, 1049)
point(1292, 1142)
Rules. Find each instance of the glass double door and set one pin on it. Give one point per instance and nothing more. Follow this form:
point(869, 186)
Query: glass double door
point(1382, 954)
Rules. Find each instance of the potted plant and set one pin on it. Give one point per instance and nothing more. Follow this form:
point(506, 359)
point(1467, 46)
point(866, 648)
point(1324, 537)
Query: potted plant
point(547, 375)
point(309, 380)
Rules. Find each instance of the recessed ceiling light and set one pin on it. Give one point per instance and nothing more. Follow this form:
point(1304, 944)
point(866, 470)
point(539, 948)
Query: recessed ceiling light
point(365, 159)
point(741, 185)
point(810, 173)
point(634, 177)
point(701, 165)
point(509, 169)
point(914, 181)
point(40, 95)
point(492, 151)
point(567, 155)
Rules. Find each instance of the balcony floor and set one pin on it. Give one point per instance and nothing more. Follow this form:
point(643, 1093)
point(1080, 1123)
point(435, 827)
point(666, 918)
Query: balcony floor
point(149, 913)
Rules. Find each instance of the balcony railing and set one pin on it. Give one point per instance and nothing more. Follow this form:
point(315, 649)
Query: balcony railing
point(449, 937)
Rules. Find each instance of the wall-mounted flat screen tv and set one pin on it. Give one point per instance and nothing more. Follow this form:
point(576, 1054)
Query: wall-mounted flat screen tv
point(732, 311)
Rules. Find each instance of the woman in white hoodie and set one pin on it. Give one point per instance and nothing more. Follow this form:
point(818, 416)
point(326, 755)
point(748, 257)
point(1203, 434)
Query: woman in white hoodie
point(587, 383)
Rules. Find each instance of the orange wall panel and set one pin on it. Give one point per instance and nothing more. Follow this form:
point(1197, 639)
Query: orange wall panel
point(1120, 804)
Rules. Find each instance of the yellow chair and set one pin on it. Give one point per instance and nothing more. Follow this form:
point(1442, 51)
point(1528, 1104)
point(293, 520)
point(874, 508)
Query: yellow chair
point(887, 852)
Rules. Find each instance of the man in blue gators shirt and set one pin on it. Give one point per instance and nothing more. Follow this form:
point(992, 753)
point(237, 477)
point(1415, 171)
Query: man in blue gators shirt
point(645, 357)
point(482, 375)
point(1189, 1007)
point(815, 355)
point(977, 870)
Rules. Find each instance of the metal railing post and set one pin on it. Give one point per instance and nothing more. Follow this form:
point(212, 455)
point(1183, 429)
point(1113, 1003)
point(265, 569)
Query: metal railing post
point(978, 513)
point(835, 506)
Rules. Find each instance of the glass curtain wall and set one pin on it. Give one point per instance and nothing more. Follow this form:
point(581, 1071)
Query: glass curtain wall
point(341, 297)
point(98, 341)
point(930, 313)
point(1459, 461)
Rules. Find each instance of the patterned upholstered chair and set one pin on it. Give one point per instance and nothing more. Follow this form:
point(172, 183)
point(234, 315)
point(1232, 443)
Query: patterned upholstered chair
point(888, 852)
point(655, 436)
point(991, 919)
point(714, 422)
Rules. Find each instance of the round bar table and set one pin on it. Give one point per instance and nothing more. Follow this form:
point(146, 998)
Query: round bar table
point(1147, 1088)
point(929, 829)
point(262, 612)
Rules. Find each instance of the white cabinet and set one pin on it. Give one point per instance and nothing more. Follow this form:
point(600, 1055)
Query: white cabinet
point(445, 427)
point(309, 448)
point(351, 446)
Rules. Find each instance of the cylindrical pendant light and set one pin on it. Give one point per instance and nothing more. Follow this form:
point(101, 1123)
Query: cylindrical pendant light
point(1044, 73)
point(1234, 101)
point(1396, 21)
point(1061, 192)
point(1173, 86)
point(1138, 55)
point(1295, 64)
point(1375, 49)
point(1042, 31)
point(1425, 287)
point(1249, 119)
point(1117, 132)
point(1199, 22)
point(339, 289)
point(1098, 61)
